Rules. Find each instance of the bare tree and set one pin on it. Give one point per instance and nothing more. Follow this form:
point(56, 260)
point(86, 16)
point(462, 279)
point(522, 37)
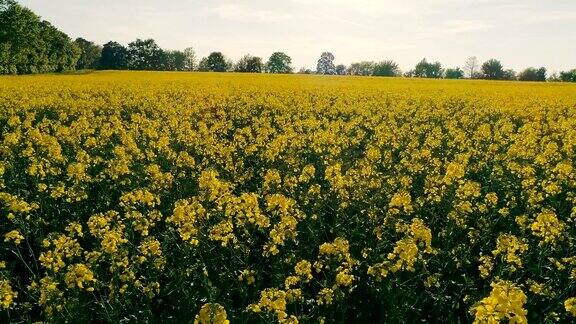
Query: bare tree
point(471, 67)
point(190, 59)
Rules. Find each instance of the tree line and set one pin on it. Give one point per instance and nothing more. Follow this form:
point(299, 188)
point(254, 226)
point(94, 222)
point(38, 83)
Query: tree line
point(31, 45)
point(147, 55)
point(490, 70)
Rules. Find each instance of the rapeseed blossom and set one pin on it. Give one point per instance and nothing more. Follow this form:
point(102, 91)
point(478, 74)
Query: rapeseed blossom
point(255, 198)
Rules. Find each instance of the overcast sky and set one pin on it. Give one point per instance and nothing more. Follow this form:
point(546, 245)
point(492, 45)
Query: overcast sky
point(520, 33)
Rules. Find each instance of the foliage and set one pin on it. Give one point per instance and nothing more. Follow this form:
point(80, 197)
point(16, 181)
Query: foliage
point(163, 197)
point(279, 62)
point(493, 70)
point(6, 4)
point(146, 55)
point(456, 73)
point(175, 61)
point(386, 68)
point(250, 64)
point(383, 68)
point(29, 45)
point(341, 69)
point(90, 54)
point(326, 64)
point(361, 68)
point(509, 75)
point(568, 76)
point(114, 56)
point(533, 74)
point(215, 62)
point(424, 69)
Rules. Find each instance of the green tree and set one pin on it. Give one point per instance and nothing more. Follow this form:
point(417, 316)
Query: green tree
point(541, 75)
point(456, 73)
point(533, 74)
point(341, 69)
point(146, 55)
point(326, 64)
point(90, 54)
point(493, 70)
point(5, 4)
point(20, 41)
point(568, 76)
point(361, 68)
point(114, 56)
point(175, 61)
point(203, 65)
point(420, 69)
point(386, 68)
point(215, 62)
point(250, 64)
point(434, 70)
point(279, 62)
point(509, 75)
point(428, 70)
point(29, 45)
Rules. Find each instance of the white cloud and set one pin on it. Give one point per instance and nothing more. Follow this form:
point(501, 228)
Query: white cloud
point(463, 26)
point(552, 16)
point(246, 14)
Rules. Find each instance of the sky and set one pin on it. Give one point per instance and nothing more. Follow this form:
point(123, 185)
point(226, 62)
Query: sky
point(520, 33)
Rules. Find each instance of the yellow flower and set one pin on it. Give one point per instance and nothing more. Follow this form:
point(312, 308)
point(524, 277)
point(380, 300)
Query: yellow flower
point(433, 280)
point(506, 301)
point(401, 201)
point(78, 275)
point(272, 300)
point(540, 289)
point(151, 246)
point(548, 227)
point(325, 296)
point(248, 276)
point(344, 279)
point(508, 246)
point(304, 269)
point(492, 198)
point(570, 306)
point(13, 236)
point(186, 215)
point(111, 241)
point(486, 266)
point(7, 295)
point(211, 313)
point(64, 248)
point(75, 229)
point(120, 181)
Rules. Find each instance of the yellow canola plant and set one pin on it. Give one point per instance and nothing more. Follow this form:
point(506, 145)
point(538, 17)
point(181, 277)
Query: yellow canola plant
point(217, 198)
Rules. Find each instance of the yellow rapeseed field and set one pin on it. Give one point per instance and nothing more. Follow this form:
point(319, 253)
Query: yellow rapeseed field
point(216, 198)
